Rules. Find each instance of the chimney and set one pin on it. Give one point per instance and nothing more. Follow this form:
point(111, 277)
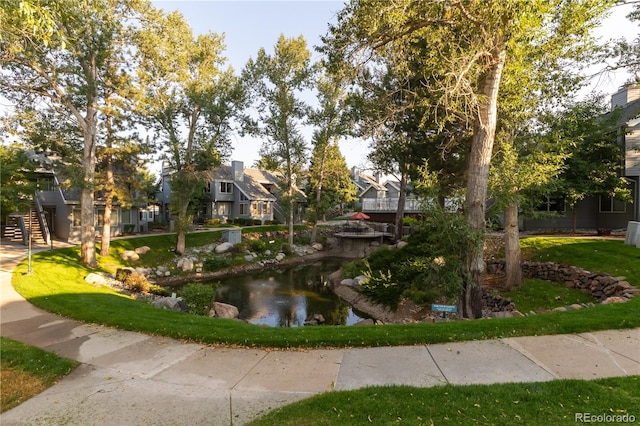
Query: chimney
point(237, 171)
point(626, 94)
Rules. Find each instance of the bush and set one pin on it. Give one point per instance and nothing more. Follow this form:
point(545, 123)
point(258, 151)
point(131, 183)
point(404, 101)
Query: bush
point(213, 222)
point(215, 263)
point(355, 268)
point(137, 283)
point(198, 297)
point(286, 249)
point(258, 246)
point(381, 288)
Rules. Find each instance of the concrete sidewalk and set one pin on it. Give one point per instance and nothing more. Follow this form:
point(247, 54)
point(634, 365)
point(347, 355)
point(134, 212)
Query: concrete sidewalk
point(129, 378)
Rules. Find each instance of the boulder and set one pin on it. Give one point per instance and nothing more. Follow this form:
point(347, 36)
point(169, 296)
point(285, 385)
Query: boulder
point(171, 304)
point(223, 248)
point(315, 319)
point(280, 256)
point(224, 310)
point(402, 244)
point(143, 250)
point(614, 299)
point(95, 279)
point(187, 265)
point(317, 246)
point(129, 255)
point(347, 281)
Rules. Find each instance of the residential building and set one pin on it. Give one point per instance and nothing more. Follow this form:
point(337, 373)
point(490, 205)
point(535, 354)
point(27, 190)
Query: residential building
point(604, 212)
point(233, 191)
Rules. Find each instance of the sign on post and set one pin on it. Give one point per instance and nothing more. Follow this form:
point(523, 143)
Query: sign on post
point(444, 308)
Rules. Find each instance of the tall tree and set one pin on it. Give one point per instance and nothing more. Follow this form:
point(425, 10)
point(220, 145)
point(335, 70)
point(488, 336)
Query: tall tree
point(61, 63)
point(330, 181)
point(469, 44)
point(15, 168)
point(275, 83)
point(587, 131)
point(189, 101)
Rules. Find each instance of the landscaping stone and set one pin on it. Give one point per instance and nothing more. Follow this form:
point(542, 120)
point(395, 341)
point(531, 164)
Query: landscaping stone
point(317, 246)
point(187, 265)
point(224, 310)
point(129, 255)
point(143, 250)
point(223, 248)
point(95, 279)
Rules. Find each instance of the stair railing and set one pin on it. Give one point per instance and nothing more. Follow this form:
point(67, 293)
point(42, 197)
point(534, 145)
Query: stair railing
point(42, 220)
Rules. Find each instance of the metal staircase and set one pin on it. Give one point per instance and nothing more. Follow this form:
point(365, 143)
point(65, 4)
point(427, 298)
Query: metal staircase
point(19, 225)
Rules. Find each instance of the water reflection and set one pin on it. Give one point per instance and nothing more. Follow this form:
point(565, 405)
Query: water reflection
point(285, 298)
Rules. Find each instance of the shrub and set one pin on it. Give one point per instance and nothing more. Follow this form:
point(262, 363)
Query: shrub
point(213, 222)
point(160, 291)
point(215, 263)
point(198, 297)
point(355, 268)
point(381, 288)
point(286, 249)
point(137, 283)
point(258, 246)
point(302, 239)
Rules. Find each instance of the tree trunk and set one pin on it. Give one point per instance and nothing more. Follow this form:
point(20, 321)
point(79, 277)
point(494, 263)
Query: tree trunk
point(402, 196)
point(105, 242)
point(88, 227)
point(314, 230)
point(479, 161)
point(181, 233)
point(512, 247)
point(574, 219)
point(291, 204)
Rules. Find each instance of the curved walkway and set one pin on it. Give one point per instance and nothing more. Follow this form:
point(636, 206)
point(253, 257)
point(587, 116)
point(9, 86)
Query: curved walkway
point(129, 378)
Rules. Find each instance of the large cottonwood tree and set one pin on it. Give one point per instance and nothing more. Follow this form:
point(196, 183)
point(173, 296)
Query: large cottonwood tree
point(188, 101)
point(466, 46)
point(275, 83)
point(54, 56)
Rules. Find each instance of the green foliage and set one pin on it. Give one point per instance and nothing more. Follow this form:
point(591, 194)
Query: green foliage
point(431, 266)
point(198, 297)
point(302, 239)
point(355, 268)
point(18, 186)
point(286, 249)
point(137, 283)
point(215, 263)
point(381, 288)
point(258, 246)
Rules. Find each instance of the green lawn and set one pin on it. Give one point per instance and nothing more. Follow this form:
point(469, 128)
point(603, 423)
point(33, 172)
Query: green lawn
point(57, 285)
point(26, 371)
point(557, 402)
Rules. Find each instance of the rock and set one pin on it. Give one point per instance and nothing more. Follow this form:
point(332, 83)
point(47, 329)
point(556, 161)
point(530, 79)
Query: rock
point(280, 256)
point(95, 279)
point(249, 257)
point(187, 265)
point(223, 248)
point(368, 321)
point(401, 244)
point(129, 255)
point(167, 273)
point(143, 271)
point(357, 281)
point(143, 250)
point(348, 282)
point(223, 310)
point(171, 304)
point(315, 319)
point(614, 299)
point(317, 246)
point(375, 244)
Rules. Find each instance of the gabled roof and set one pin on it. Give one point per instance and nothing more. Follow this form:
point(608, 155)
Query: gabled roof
point(251, 186)
point(364, 182)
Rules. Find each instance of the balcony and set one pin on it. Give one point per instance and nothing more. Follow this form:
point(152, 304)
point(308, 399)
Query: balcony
point(389, 205)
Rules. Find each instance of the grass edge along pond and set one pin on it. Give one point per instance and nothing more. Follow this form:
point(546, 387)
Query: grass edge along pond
point(57, 285)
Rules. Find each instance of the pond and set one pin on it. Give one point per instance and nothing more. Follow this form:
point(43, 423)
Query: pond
point(286, 297)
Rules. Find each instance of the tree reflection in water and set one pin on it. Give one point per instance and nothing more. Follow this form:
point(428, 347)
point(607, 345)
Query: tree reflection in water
point(286, 297)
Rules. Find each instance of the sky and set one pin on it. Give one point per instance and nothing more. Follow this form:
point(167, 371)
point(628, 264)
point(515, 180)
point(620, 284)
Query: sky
point(251, 25)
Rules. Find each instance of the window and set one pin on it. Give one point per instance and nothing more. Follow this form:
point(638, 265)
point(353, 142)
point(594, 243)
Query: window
point(223, 209)
point(552, 205)
point(612, 205)
point(244, 209)
point(226, 188)
point(100, 217)
point(126, 215)
point(243, 197)
point(77, 220)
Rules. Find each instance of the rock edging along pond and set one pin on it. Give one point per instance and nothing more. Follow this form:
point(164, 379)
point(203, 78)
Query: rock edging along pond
point(178, 280)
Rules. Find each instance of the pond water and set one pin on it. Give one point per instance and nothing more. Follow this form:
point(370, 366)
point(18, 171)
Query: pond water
point(286, 297)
